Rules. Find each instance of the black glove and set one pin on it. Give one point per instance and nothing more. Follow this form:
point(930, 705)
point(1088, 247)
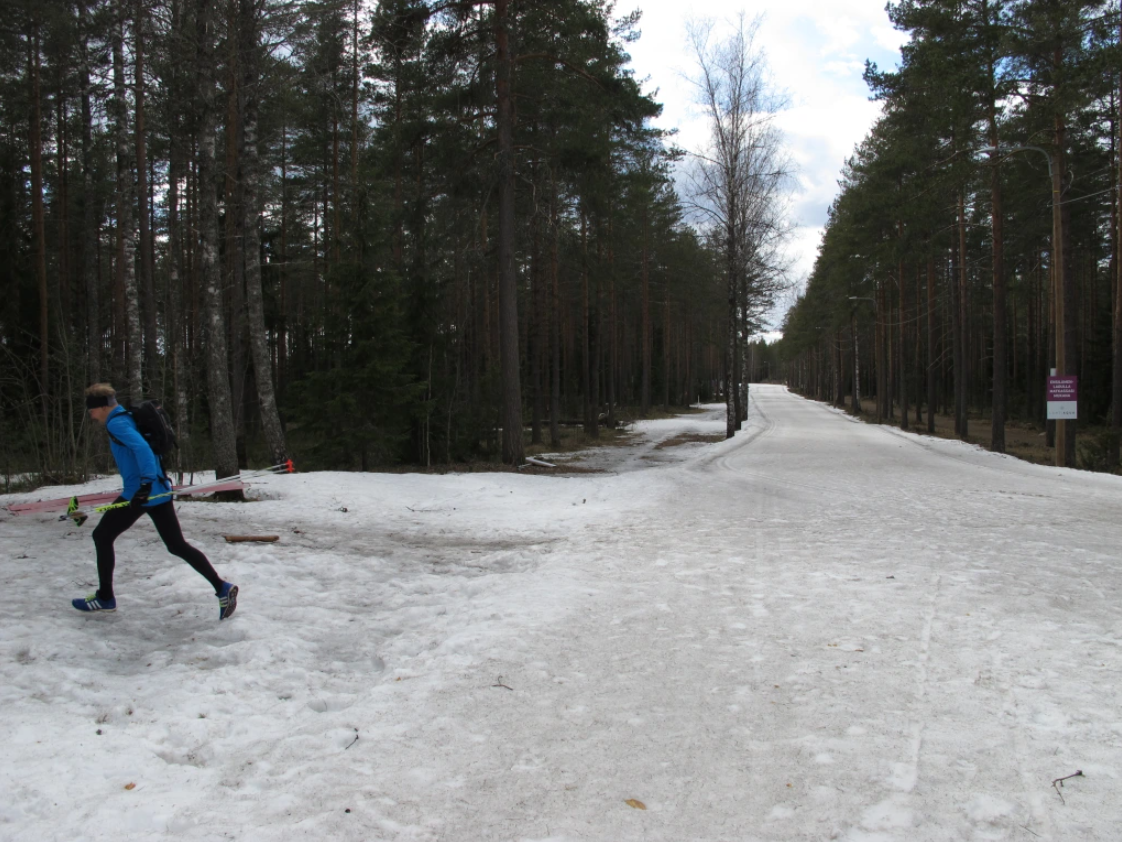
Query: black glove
point(141, 496)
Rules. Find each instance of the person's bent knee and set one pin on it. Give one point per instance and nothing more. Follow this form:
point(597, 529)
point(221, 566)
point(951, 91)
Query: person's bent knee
point(101, 535)
point(183, 550)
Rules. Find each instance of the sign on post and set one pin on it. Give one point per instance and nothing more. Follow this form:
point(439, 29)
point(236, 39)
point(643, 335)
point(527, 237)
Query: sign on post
point(1063, 398)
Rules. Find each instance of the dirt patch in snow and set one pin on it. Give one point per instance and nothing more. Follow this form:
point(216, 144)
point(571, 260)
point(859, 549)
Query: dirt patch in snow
point(691, 438)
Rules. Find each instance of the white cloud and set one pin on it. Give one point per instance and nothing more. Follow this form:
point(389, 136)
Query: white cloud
point(844, 69)
point(889, 38)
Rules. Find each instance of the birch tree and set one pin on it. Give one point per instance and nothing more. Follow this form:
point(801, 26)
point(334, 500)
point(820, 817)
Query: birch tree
point(737, 184)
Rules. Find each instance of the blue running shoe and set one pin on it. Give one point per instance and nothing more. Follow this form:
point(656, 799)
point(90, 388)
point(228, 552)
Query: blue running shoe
point(227, 600)
point(92, 603)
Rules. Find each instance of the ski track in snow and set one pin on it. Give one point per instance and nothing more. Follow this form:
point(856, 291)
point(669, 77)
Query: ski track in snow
point(818, 630)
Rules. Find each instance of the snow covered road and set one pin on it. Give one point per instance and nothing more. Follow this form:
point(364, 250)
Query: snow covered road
point(817, 630)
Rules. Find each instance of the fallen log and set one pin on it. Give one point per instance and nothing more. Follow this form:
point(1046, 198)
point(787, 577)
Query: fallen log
point(261, 539)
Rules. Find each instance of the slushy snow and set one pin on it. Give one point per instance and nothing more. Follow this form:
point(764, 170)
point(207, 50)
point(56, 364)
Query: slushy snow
point(816, 630)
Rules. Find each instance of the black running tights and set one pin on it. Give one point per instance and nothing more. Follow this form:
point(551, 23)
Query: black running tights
point(116, 521)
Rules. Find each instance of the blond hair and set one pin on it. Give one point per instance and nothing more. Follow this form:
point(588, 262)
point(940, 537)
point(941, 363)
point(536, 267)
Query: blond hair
point(102, 390)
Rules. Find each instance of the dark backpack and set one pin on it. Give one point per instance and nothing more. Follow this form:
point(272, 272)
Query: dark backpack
point(153, 423)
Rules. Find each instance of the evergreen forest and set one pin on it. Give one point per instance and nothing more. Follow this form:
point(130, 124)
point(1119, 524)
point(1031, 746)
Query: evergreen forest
point(973, 249)
point(419, 232)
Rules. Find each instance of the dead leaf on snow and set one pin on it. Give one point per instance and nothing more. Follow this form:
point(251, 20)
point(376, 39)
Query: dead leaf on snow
point(638, 805)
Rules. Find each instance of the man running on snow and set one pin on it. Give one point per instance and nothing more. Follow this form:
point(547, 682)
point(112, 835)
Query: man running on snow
point(142, 478)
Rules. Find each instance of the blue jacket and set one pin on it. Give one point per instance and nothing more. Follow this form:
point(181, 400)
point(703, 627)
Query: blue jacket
point(135, 459)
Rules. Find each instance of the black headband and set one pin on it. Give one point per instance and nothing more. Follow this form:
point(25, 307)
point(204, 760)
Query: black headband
point(94, 401)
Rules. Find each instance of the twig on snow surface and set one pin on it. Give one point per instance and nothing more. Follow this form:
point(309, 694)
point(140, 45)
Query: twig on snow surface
point(500, 684)
point(1060, 782)
point(541, 463)
point(355, 740)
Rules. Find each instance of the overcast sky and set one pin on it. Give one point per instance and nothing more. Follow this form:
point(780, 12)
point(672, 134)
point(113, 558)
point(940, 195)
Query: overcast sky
point(816, 52)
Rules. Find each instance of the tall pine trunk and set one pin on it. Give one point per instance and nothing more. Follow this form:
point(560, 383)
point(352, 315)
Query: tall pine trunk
point(89, 210)
point(645, 280)
point(175, 301)
point(177, 271)
point(901, 349)
point(932, 304)
point(38, 227)
point(356, 78)
point(126, 230)
point(839, 369)
point(1064, 315)
point(880, 358)
point(856, 364)
point(508, 289)
point(234, 280)
point(586, 325)
point(997, 428)
point(595, 342)
point(666, 354)
point(732, 388)
point(62, 158)
point(962, 362)
point(218, 375)
point(1116, 380)
point(610, 366)
point(146, 284)
point(251, 239)
point(554, 315)
point(535, 343)
point(917, 359)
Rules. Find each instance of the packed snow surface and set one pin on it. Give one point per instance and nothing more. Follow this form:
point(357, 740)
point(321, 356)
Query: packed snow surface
point(816, 630)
